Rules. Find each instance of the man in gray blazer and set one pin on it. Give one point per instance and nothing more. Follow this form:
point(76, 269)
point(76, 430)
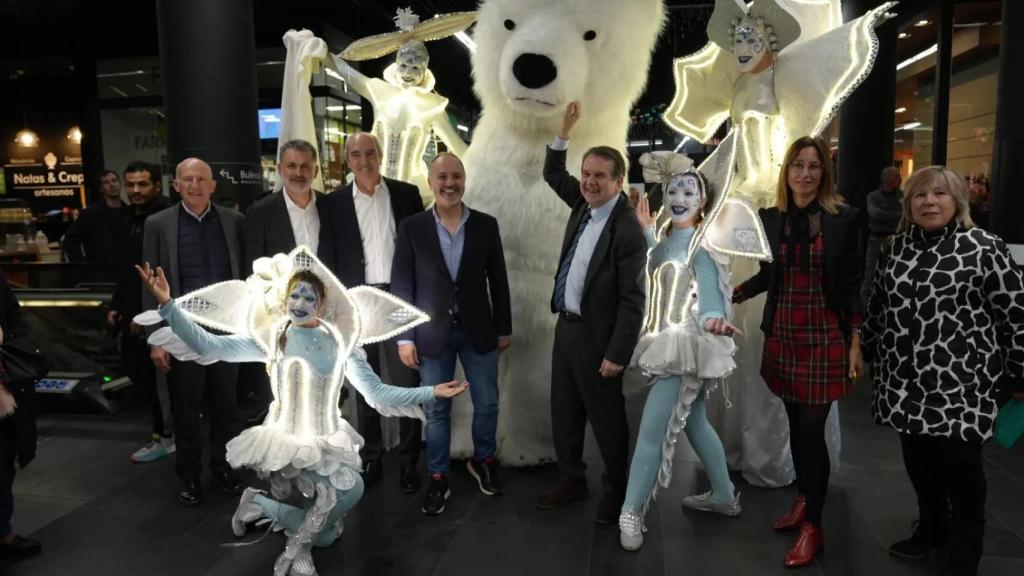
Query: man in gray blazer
point(197, 243)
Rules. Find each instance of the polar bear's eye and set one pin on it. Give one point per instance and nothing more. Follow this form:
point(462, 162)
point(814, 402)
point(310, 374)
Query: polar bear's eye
point(589, 35)
point(510, 25)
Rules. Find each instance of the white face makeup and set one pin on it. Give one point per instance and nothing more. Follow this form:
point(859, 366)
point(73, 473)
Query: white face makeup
point(411, 68)
point(683, 198)
point(303, 303)
point(749, 47)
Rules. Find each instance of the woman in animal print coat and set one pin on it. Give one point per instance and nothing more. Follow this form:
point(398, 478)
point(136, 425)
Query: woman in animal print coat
point(944, 325)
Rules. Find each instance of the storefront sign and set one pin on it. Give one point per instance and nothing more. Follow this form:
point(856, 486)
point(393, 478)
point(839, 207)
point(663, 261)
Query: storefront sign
point(46, 179)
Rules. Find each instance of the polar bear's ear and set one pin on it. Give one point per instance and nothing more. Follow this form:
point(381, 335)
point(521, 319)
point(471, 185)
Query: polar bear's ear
point(383, 315)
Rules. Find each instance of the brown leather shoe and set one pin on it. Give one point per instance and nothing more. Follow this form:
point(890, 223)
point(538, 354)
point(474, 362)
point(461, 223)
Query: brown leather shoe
point(564, 492)
point(608, 510)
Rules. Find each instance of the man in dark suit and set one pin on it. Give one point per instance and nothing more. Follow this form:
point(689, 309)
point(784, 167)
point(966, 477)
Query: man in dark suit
point(364, 220)
point(97, 234)
point(197, 243)
point(277, 223)
point(450, 264)
point(600, 302)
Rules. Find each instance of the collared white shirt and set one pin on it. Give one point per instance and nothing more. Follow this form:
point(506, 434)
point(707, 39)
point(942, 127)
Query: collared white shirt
point(377, 228)
point(305, 222)
point(574, 283)
point(209, 206)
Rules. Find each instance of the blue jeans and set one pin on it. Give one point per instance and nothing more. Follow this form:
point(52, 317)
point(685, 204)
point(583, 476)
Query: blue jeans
point(482, 373)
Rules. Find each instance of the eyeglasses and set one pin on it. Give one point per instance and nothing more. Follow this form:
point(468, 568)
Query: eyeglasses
point(800, 166)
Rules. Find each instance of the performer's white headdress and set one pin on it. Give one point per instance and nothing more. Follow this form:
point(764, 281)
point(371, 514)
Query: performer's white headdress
point(410, 30)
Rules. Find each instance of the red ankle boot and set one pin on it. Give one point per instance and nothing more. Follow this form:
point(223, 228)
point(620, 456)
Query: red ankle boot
point(808, 544)
point(795, 517)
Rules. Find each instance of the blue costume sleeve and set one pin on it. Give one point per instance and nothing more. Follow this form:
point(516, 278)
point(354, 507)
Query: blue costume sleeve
point(709, 297)
point(359, 373)
point(230, 348)
point(651, 236)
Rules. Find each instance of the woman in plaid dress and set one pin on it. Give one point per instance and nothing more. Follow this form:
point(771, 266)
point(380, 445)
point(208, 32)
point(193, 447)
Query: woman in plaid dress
point(811, 316)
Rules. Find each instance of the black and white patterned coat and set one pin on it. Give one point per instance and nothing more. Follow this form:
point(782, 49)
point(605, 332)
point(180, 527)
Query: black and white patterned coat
point(945, 323)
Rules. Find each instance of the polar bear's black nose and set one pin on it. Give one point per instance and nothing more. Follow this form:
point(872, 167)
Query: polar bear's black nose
point(534, 70)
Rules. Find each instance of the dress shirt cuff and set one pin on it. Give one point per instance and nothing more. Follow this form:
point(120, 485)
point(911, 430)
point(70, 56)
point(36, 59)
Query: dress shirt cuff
point(403, 342)
point(559, 144)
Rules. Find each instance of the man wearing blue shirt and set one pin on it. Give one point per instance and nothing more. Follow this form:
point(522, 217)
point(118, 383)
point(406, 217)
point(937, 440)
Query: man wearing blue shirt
point(449, 263)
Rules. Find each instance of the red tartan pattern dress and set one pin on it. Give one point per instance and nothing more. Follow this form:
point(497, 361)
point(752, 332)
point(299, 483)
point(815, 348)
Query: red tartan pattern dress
point(805, 359)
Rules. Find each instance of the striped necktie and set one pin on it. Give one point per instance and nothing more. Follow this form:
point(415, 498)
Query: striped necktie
point(563, 268)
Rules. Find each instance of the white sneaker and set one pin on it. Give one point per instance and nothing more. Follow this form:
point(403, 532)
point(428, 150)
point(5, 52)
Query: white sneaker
point(156, 448)
point(247, 511)
point(631, 529)
point(703, 503)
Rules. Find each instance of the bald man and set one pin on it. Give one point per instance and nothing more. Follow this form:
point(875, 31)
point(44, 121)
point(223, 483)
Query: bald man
point(197, 243)
point(364, 218)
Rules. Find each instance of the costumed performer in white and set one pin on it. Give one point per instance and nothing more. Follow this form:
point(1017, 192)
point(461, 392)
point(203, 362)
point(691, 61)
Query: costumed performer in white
point(777, 69)
point(293, 314)
point(405, 106)
point(686, 347)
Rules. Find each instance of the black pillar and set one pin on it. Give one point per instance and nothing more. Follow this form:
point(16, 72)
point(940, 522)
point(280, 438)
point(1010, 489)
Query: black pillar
point(867, 118)
point(208, 59)
point(943, 70)
point(1008, 150)
point(89, 124)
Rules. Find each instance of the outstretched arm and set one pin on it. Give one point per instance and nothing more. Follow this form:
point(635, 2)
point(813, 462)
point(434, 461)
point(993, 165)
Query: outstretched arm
point(359, 373)
point(356, 79)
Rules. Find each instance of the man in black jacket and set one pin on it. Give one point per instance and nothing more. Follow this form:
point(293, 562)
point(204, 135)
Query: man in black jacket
point(142, 185)
point(17, 432)
point(449, 263)
point(600, 303)
point(365, 215)
point(96, 235)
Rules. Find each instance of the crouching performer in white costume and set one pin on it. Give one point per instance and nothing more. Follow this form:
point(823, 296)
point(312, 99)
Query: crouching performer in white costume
point(293, 314)
point(686, 346)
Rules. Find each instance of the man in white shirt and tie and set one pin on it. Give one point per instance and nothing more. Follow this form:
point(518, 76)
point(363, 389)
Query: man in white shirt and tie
point(364, 221)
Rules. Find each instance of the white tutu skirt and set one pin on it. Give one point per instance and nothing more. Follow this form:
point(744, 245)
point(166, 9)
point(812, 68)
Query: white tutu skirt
point(679, 351)
point(270, 450)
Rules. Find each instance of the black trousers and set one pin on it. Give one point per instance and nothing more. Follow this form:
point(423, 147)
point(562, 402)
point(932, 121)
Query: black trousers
point(140, 369)
point(6, 496)
point(579, 392)
point(409, 429)
point(949, 480)
point(188, 382)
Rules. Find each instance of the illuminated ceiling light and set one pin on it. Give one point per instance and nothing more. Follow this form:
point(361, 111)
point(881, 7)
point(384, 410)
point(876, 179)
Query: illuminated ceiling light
point(466, 41)
point(901, 109)
point(923, 54)
point(921, 23)
point(908, 126)
point(141, 87)
point(904, 35)
point(638, 143)
point(462, 127)
point(970, 25)
point(349, 107)
point(121, 74)
point(119, 91)
point(26, 138)
point(682, 143)
point(75, 135)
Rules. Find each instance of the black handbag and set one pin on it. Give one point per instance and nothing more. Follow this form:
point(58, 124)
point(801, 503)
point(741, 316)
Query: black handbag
point(22, 367)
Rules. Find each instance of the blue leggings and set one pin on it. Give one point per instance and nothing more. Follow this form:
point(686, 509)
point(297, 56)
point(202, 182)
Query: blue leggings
point(291, 517)
point(643, 472)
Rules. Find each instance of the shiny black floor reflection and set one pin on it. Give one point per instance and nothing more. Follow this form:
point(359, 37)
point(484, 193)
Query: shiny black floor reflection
point(98, 514)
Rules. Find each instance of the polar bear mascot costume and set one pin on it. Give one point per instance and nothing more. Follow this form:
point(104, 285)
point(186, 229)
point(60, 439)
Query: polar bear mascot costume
point(533, 57)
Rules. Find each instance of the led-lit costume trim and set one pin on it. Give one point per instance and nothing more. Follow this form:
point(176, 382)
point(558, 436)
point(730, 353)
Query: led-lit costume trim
point(817, 64)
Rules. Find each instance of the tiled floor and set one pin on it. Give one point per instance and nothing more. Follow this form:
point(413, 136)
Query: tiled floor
point(98, 514)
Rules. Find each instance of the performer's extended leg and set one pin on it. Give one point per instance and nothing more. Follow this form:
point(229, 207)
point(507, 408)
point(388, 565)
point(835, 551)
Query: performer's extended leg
point(291, 517)
point(709, 449)
point(643, 472)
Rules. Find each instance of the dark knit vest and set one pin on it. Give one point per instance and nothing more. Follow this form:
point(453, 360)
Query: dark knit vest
point(203, 257)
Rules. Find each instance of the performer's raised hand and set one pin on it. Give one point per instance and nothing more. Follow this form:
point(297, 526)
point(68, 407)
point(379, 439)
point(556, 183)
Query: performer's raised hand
point(721, 327)
point(155, 282)
point(569, 120)
point(450, 389)
point(644, 215)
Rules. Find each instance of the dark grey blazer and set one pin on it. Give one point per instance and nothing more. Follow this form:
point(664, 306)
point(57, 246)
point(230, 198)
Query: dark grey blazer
point(268, 230)
point(613, 296)
point(160, 245)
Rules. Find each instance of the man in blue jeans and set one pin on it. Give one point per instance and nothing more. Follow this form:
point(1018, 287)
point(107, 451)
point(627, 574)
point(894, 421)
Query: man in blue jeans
point(449, 263)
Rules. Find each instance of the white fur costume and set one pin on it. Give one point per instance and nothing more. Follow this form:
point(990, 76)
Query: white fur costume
point(600, 52)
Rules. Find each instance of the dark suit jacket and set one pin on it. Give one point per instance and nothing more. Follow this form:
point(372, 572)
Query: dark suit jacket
point(841, 233)
point(613, 296)
point(97, 234)
point(419, 275)
point(160, 245)
point(347, 243)
point(17, 431)
point(268, 230)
